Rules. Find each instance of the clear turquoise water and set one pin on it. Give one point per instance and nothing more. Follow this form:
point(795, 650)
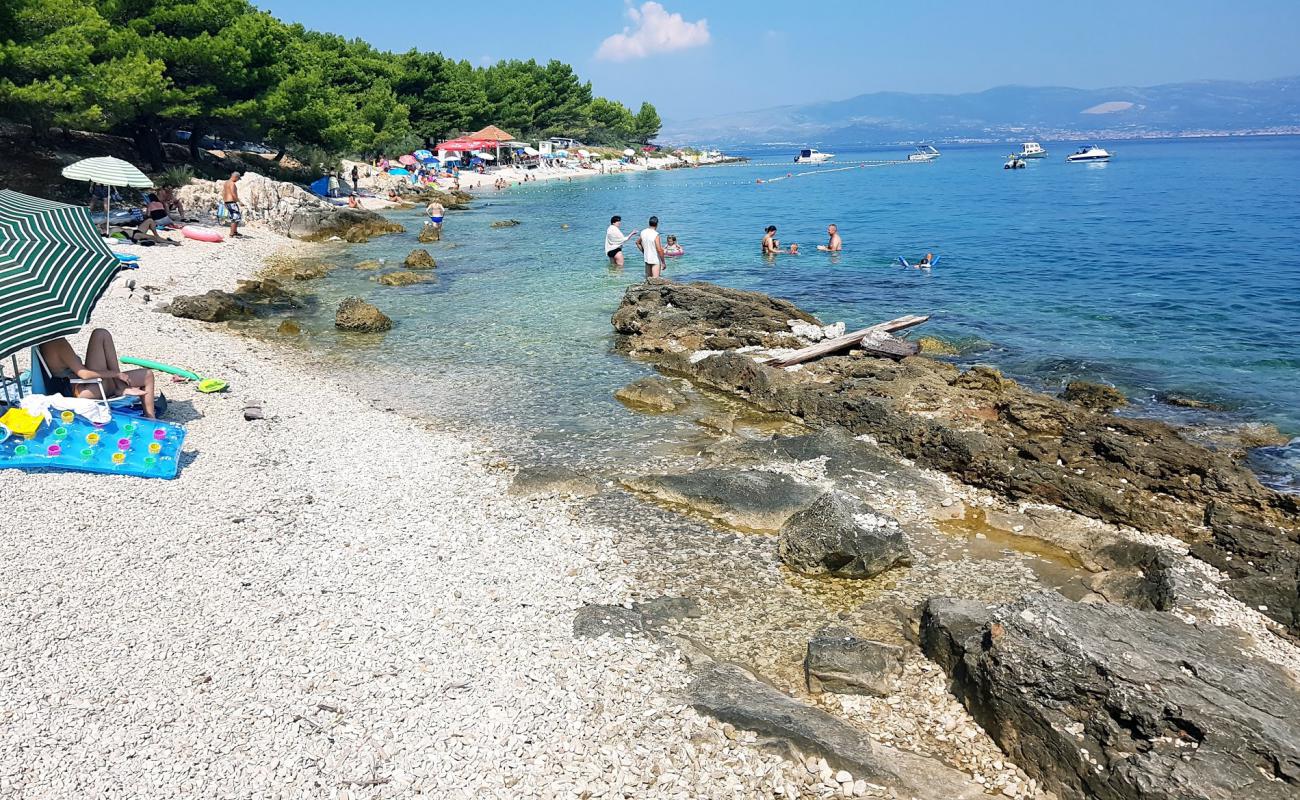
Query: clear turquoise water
point(1174, 268)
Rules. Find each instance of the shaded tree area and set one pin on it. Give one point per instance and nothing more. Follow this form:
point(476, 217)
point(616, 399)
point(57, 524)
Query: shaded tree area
point(148, 68)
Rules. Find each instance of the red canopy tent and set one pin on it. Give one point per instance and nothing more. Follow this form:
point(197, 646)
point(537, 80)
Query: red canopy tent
point(465, 144)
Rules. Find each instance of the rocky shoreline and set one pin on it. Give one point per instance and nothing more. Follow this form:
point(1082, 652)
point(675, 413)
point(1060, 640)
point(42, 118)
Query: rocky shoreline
point(1145, 513)
point(986, 430)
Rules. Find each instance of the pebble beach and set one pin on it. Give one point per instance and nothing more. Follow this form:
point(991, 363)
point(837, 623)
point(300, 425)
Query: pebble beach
point(332, 602)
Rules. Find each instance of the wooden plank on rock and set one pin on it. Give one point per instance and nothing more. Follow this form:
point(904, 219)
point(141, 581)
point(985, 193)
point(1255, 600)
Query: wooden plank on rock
point(846, 341)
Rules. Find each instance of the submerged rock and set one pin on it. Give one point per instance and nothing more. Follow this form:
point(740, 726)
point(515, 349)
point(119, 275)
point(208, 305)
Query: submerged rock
point(752, 500)
point(1096, 396)
point(548, 480)
point(369, 263)
point(506, 223)
point(841, 535)
point(403, 278)
point(355, 314)
point(1097, 700)
point(934, 346)
point(419, 259)
point(651, 394)
point(594, 620)
point(839, 662)
point(288, 328)
point(213, 306)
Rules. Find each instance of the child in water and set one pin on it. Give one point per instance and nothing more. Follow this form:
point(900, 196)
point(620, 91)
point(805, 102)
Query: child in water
point(794, 249)
point(672, 248)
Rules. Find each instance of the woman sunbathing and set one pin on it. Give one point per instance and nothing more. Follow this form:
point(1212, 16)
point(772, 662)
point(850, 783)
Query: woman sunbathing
point(101, 362)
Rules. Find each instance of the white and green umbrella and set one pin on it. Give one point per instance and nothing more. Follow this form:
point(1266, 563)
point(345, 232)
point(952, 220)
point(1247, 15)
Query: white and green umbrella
point(107, 171)
point(54, 267)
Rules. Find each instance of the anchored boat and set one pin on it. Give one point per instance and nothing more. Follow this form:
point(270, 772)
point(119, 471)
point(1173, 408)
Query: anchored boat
point(924, 152)
point(809, 155)
point(1090, 153)
point(1032, 150)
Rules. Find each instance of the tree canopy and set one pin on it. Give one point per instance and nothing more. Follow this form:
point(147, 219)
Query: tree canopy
point(147, 68)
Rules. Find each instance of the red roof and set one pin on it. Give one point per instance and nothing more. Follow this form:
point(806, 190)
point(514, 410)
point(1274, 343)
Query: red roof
point(465, 144)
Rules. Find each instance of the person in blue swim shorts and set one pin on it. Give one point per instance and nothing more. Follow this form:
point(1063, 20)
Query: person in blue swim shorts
point(435, 212)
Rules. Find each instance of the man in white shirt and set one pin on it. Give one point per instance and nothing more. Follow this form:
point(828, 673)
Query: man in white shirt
point(614, 240)
point(652, 249)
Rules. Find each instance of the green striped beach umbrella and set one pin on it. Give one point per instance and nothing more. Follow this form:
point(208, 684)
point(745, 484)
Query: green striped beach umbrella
point(53, 269)
point(107, 171)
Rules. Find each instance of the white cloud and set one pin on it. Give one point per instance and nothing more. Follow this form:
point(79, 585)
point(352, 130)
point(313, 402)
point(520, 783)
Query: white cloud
point(653, 30)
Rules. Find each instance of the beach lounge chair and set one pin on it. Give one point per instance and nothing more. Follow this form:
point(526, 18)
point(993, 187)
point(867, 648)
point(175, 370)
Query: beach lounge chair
point(44, 382)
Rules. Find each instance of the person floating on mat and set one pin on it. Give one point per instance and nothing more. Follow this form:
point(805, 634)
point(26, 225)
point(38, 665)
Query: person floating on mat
point(101, 363)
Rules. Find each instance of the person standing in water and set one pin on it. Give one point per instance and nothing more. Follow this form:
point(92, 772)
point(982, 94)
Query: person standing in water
point(614, 241)
point(230, 198)
point(435, 212)
point(770, 245)
point(833, 242)
point(652, 249)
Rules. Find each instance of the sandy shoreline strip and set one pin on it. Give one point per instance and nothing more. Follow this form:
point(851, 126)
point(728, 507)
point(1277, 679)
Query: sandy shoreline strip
point(333, 602)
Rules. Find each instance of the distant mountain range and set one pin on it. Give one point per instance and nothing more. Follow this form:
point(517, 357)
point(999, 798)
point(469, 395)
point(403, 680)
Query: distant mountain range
point(1012, 113)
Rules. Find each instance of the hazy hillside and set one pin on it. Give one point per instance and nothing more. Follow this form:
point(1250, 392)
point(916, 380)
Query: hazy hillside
point(1010, 112)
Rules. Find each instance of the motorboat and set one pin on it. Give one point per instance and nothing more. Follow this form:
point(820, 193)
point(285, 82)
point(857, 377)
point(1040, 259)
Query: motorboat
point(1090, 153)
point(810, 156)
point(1014, 161)
point(1032, 150)
point(924, 152)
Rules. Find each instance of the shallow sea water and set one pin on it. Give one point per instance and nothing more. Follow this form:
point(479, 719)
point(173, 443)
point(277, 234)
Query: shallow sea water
point(1173, 269)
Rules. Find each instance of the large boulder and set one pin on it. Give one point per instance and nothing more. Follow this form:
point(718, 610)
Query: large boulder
point(214, 306)
point(651, 394)
point(419, 259)
point(664, 316)
point(841, 535)
point(355, 314)
point(288, 209)
point(838, 661)
point(746, 499)
point(1102, 701)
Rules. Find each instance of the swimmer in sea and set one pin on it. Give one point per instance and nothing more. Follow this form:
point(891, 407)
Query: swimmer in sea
point(833, 243)
point(794, 249)
point(925, 261)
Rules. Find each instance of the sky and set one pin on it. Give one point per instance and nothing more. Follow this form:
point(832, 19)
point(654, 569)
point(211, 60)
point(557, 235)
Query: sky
point(696, 59)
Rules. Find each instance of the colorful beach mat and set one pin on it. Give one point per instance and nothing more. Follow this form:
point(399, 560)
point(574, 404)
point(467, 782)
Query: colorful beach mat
point(126, 445)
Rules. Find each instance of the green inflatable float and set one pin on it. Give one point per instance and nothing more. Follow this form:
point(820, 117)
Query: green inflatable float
point(206, 385)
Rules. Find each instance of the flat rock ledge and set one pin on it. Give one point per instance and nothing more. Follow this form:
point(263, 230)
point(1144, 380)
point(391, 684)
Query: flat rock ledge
point(1102, 701)
point(985, 430)
point(730, 694)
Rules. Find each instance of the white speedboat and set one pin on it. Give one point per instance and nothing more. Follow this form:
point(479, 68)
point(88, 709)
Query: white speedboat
point(1090, 153)
point(1032, 150)
point(810, 156)
point(924, 152)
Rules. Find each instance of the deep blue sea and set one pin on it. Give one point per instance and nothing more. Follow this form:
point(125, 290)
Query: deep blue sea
point(1175, 268)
